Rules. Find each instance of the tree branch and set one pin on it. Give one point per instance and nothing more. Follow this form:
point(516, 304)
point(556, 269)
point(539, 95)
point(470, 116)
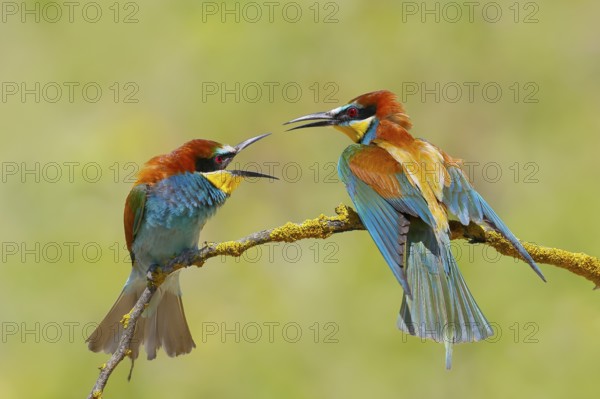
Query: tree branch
point(321, 228)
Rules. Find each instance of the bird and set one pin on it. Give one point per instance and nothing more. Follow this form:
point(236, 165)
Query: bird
point(405, 190)
point(171, 200)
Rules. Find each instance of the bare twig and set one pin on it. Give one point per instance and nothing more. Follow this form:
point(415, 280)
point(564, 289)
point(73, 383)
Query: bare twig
point(123, 349)
point(320, 228)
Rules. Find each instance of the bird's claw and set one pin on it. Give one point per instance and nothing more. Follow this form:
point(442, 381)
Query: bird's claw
point(476, 240)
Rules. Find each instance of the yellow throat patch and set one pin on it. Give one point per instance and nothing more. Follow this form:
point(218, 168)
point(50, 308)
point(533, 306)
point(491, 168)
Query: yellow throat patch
point(356, 129)
point(224, 180)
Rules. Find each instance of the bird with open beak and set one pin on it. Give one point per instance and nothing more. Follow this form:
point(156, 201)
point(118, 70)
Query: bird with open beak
point(404, 190)
point(173, 197)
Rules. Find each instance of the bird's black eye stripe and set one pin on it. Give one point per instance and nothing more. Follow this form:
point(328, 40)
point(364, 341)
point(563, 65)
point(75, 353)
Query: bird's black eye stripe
point(213, 164)
point(363, 113)
point(205, 165)
point(367, 112)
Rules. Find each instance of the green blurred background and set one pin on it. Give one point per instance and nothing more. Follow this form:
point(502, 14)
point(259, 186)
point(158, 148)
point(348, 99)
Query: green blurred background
point(191, 70)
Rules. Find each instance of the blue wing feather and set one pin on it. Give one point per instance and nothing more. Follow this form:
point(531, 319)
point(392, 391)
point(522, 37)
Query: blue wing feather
point(411, 201)
point(440, 306)
point(387, 226)
point(462, 200)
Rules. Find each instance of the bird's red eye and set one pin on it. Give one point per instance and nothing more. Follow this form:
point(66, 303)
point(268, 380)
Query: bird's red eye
point(219, 159)
point(352, 112)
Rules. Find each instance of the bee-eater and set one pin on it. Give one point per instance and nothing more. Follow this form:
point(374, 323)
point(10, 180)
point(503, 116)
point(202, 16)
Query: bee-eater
point(404, 190)
point(173, 197)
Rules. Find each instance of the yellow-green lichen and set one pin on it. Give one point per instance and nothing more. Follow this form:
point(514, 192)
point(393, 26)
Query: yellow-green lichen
point(318, 227)
point(232, 248)
point(125, 319)
point(312, 228)
point(345, 214)
point(578, 263)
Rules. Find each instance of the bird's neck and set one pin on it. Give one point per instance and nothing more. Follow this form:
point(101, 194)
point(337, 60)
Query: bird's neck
point(400, 118)
point(390, 131)
point(371, 133)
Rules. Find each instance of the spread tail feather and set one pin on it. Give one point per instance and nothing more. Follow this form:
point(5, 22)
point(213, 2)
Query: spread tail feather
point(107, 335)
point(163, 323)
point(442, 308)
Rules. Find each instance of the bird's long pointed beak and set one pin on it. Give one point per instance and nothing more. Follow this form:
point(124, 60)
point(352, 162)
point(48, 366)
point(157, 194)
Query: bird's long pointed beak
point(246, 143)
point(247, 173)
point(322, 118)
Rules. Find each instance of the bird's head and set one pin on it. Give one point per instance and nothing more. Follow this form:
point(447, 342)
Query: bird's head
point(210, 156)
point(204, 156)
point(359, 118)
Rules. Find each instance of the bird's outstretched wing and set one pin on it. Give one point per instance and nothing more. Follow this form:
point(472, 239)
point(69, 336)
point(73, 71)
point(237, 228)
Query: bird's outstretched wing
point(463, 201)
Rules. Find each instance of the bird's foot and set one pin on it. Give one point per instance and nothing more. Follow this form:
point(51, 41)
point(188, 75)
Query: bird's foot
point(207, 244)
point(156, 275)
point(184, 258)
point(476, 240)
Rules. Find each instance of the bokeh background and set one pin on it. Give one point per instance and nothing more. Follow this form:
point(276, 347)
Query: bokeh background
point(86, 98)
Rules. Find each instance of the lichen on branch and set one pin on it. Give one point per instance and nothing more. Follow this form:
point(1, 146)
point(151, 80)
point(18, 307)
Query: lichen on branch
point(322, 227)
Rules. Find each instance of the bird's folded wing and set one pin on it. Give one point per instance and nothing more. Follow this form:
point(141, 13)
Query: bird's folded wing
point(384, 199)
point(134, 212)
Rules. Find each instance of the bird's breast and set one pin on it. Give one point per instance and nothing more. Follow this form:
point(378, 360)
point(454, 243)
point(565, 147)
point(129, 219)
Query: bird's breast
point(176, 210)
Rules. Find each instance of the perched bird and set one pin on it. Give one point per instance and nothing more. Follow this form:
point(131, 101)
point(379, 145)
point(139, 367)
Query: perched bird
point(404, 190)
point(173, 197)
